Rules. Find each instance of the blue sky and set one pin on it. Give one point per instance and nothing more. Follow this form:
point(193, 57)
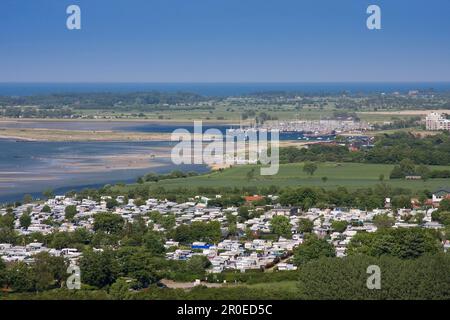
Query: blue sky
point(224, 41)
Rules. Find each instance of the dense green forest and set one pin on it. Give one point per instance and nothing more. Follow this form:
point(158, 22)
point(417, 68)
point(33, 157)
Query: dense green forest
point(387, 149)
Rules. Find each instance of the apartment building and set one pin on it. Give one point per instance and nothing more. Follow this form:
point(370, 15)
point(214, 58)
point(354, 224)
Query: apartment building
point(436, 121)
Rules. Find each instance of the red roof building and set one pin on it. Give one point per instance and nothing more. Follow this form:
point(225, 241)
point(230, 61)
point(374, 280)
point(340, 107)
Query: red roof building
point(253, 198)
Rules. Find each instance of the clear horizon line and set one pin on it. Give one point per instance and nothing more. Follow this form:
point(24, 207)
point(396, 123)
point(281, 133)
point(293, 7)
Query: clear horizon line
point(221, 82)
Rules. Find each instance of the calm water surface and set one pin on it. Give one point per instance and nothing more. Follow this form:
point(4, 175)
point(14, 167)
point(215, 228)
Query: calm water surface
point(31, 167)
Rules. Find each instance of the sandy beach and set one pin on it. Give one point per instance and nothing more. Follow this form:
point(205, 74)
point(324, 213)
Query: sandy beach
point(82, 135)
point(79, 135)
point(106, 163)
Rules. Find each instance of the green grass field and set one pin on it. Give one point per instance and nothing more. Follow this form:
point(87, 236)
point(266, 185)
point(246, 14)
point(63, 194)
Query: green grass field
point(220, 112)
point(286, 286)
point(350, 175)
point(228, 112)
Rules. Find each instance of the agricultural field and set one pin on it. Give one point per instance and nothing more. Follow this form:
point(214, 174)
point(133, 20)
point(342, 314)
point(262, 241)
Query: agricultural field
point(226, 112)
point(219, 112)
point(350, 175)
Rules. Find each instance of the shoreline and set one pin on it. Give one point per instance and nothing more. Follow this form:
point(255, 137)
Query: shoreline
point(59, 135)
point(158, 121)
point(11, 130)
point(51, 135)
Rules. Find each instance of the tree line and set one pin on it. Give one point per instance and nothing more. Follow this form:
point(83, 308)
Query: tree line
point(387, 149)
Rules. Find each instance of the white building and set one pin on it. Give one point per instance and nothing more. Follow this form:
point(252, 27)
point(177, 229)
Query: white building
point(436, 121)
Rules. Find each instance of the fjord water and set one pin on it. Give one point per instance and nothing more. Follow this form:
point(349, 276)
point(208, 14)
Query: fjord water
point(32, 167)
